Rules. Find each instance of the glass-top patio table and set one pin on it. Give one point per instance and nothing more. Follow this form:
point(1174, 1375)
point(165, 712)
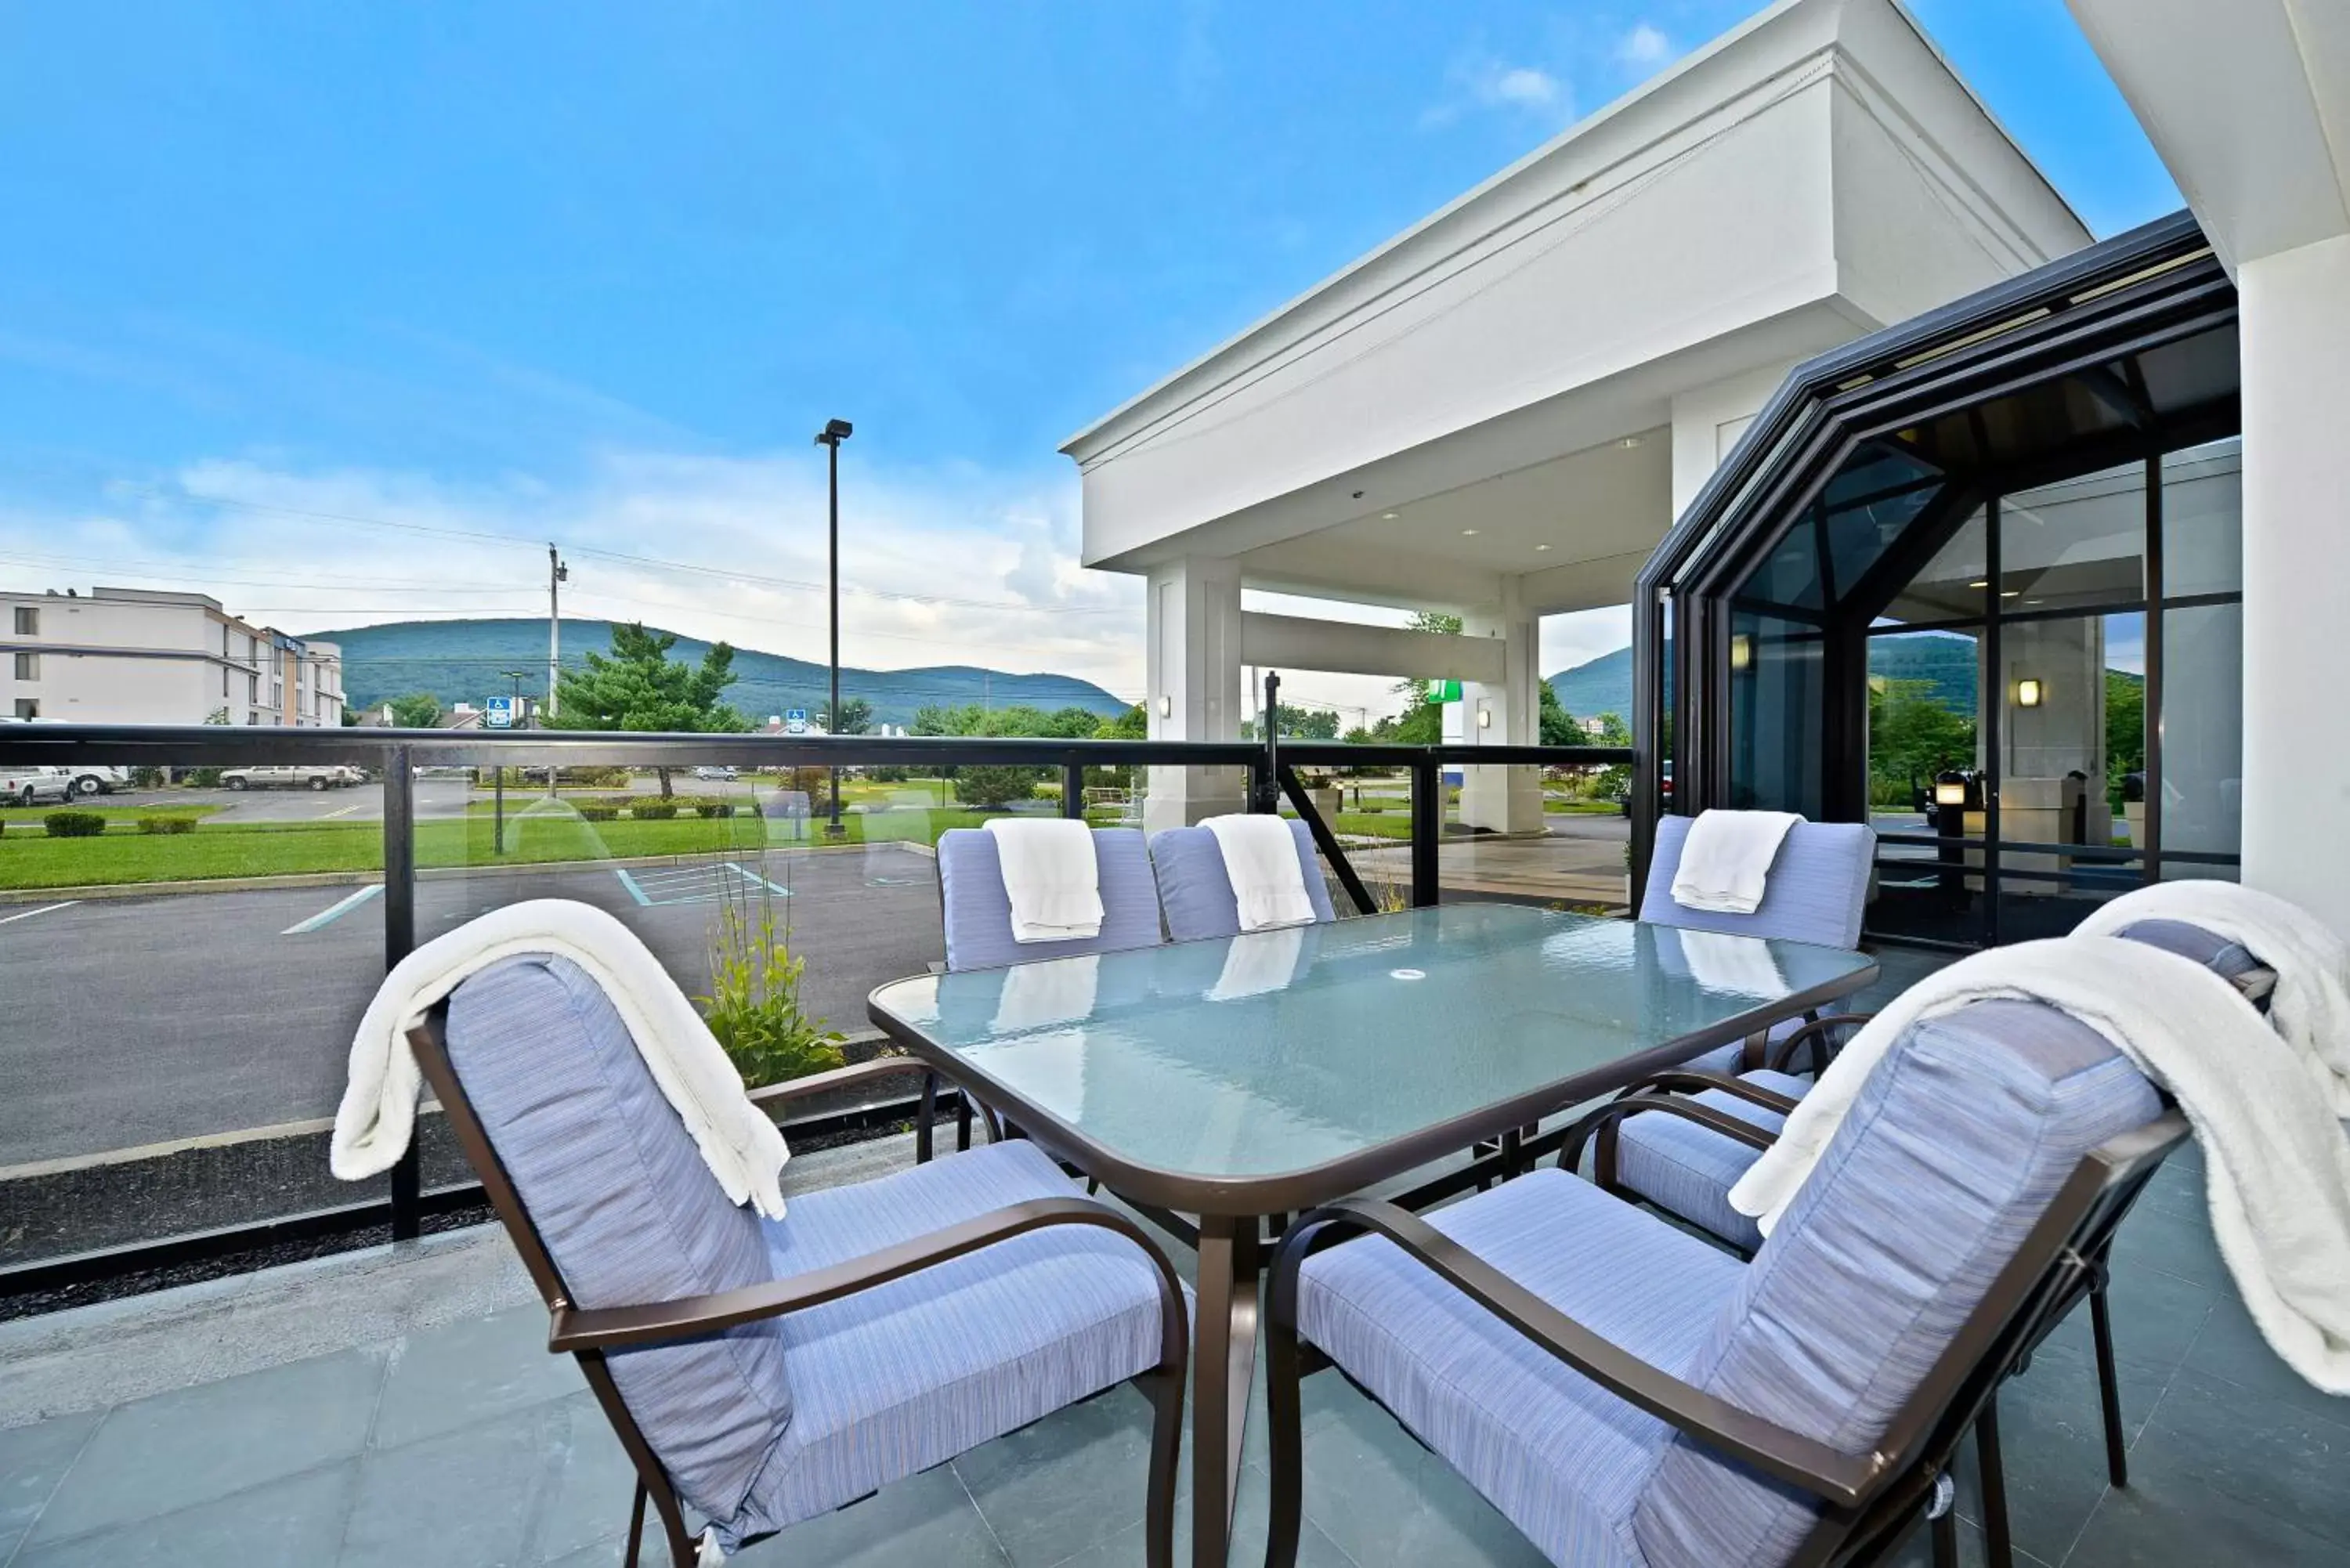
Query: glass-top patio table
point(1256, 1076)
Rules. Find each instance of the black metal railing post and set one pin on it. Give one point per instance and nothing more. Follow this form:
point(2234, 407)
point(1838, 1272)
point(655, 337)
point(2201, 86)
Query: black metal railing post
point(1073, 790)
point(1427, 829)
point(399, 941)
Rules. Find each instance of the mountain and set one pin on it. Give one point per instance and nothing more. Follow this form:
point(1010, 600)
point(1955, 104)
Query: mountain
point(1601, 686)
point(1944, 662)
point(466, 660)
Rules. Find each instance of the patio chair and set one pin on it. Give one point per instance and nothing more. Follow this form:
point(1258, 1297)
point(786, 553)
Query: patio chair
point(1196, 895)
point(1630, 1397)
point(976, 912)
point(761, 1373)
point(1681, 1140)
point(1817, 890)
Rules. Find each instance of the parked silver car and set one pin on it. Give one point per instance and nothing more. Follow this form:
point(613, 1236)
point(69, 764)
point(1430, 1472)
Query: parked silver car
point(290, 775)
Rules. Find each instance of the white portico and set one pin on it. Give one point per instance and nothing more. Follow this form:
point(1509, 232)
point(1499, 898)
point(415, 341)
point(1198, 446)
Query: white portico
point(1499, 411)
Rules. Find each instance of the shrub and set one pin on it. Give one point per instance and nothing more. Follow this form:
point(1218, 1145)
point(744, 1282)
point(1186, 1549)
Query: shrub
point(710, 808)
point(167, 825)
point(147, 778)
point(753, 1005)
point(653, 810)
point(74, 823)
point(205, 778)
point(597, 810)
point(994, 786)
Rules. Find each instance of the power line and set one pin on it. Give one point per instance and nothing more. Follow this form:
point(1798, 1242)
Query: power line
point(726, 572)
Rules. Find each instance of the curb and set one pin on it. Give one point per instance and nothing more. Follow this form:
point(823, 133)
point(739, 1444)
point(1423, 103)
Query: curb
point(425, 874)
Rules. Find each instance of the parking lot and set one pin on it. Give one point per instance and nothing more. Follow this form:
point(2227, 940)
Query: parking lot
point(126, 1023)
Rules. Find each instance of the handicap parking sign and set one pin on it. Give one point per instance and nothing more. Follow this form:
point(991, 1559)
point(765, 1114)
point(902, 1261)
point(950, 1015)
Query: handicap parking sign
point(501, 714)
point(796, 720)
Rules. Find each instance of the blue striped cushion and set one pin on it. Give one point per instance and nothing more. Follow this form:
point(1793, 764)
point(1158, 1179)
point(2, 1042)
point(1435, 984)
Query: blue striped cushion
point(1688, 1170)
point(1196, 893)
point(1956, 1146)
point(1815, 892)
point(629, 1213)
point(897, 1379)
point(2230, 961)
point(1562, 1459)
point(979, 912)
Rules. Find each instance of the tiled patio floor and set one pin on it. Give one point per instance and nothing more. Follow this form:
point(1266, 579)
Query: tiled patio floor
point(462, 1443)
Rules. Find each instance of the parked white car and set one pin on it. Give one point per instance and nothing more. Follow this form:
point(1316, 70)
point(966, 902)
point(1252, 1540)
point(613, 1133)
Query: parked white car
point(33, 786)
point(91, 780)
point(288, 775)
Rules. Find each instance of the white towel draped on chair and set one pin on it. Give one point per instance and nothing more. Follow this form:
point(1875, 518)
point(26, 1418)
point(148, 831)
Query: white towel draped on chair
point(1726, 862)
point(1261, 859)
point(1050, 876)
point(2277, 1161)
point(2310, 1005)
point(736, 1140)
point(1722, 962)
point(1038, 995)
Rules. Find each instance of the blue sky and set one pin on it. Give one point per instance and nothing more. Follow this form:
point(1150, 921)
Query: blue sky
point(601, 269)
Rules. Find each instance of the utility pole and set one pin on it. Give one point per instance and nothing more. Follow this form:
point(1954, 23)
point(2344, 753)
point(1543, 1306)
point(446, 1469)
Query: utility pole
point(498, 834)
point(835, 431)
point(557, 574)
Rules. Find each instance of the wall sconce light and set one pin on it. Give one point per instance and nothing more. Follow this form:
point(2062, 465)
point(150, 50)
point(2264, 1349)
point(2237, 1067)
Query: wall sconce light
point(1485, 717)
point(2028, 692)
point(1166, 706)
point(1950, 789)
point(1741, 651)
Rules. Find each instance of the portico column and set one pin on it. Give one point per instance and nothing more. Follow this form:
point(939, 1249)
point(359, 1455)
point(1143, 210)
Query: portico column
point(1503, 799)
point(2296, 388)
point(1193, 628)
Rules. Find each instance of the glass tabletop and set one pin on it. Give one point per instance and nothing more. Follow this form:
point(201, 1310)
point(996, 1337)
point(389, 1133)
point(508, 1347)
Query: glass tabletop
point(1261, 1056)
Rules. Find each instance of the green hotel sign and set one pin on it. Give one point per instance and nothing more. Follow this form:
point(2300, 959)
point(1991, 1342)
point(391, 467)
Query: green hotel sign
point(1442, 691)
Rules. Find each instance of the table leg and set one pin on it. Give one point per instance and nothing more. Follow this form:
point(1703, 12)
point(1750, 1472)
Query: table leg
point(1223, 1358)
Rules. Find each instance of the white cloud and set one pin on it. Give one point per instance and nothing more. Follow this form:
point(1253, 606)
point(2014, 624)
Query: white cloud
point(966, 568)
point(1646, 45)
point(1478, 80)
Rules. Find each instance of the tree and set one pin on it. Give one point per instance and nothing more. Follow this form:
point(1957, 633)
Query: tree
point(2124, 731)
point(856, 718)
point(1558, 726)
point(1912, 737)
point(417, 711)
point(637, 686)
point(1299, 723)
point(1133, 724)
point(994, 786)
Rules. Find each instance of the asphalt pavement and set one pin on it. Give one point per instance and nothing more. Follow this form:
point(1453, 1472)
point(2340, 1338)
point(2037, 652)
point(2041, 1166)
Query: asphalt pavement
point(130, 1021)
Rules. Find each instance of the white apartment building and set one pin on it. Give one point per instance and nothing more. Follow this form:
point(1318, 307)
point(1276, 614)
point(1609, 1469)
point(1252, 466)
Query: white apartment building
point(141, 656)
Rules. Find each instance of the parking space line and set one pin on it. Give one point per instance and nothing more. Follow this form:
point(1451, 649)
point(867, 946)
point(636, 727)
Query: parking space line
point(750, 876)
point(630, 884)
point(332, 912)
point(43, 909)
point(346, 811)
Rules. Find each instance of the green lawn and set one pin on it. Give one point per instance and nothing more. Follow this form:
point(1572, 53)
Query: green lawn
point(1375, 823)
point(536, 834)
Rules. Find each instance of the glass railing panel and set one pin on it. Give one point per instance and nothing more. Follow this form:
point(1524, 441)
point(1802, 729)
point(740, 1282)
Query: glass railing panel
point(184, 962)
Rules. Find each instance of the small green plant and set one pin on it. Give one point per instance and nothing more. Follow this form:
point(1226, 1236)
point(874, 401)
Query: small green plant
point(710, 808)
point(754, 1006)
point(74, 823)
point(995, 786)
point(653, 810)
point(167, 825)
point(147, 778)
point(596, 809)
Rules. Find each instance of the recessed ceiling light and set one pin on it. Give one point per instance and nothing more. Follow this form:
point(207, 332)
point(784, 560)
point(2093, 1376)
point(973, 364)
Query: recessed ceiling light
point(2010, 593)
point(1389, 516)
point(1980, 584)
point(1541, 546)
point(1631, 442)
point(1468, 533)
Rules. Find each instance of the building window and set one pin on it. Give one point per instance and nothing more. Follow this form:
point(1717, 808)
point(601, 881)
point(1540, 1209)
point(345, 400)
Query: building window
point(252, 688)
point(224, 683)
point(28, 667)
point(28, 621)
point(28, 708)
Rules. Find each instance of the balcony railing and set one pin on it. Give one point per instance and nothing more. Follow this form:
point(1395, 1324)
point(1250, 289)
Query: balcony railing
point(177, 1062)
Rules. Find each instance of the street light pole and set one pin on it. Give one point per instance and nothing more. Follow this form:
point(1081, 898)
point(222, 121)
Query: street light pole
point(557, 574)
point(498, 775)
point(835, 431)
